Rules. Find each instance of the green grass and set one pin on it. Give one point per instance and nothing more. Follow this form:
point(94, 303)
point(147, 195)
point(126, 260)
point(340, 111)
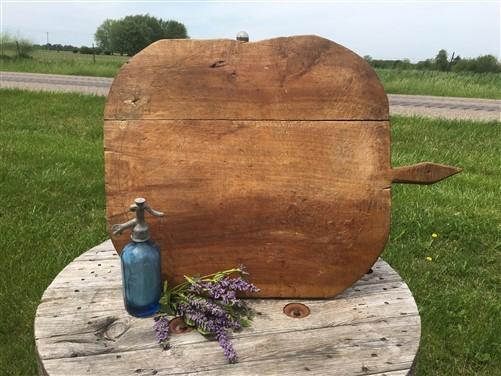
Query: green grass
point(449, 84)
point(65, 62)
point(51, 174)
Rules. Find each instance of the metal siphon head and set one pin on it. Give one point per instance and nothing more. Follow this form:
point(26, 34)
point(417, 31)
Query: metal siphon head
point(242, 36)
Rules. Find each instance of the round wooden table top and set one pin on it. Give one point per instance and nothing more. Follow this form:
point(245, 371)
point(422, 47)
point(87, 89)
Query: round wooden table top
point(82, 328)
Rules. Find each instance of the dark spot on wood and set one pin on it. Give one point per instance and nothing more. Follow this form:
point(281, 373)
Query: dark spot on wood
point(384, 288)
point(98, 264)
point(386, 303)
point(365, 369)
point(77, 290)
point(119, 356)
point(79, 307)
point(403, 313)
point(399, 345)
point(374, 355)
point(154, 372)
point(89, 322)
point(382, 339)
point(218, 63)
point(381, 278)
point(82, 279)
point(306, 369)
point(139, 370)
point(73, 355)
point(329, 356)
point(370, 271)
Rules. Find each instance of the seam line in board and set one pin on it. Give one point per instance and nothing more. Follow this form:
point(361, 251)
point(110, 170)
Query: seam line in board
point(254, 120)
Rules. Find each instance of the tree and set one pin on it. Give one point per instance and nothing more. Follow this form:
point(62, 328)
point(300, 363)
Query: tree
point(441, 60)
point(487, 63)
point(174, 30)
point(131, 34)
point(103, 35)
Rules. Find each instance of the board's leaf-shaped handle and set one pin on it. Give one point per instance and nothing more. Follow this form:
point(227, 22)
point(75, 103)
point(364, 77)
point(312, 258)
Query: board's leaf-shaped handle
point(422, 173)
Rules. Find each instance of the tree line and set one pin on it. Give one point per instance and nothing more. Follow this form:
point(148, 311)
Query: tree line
point(129, 35)
point(442, 62)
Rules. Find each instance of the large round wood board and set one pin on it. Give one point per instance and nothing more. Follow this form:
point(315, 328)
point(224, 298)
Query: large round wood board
point(274, 155)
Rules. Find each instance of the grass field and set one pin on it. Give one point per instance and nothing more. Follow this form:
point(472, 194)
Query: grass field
point(65, 62)
point(450, 84)
point(461, 84)
point(51, 170)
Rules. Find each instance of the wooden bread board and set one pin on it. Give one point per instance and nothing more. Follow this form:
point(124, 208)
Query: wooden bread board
point(274, 155)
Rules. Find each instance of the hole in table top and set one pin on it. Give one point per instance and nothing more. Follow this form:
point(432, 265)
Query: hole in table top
point(296, 310)
point(178, 326)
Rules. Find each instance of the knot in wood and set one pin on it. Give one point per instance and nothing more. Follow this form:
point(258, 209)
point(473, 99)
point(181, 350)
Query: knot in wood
point(116, 329)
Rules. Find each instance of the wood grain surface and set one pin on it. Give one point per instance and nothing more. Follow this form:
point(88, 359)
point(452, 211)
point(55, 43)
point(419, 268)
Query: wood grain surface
point(423, 173)
point(294, 78)
point(304, 205)
point(82, 328)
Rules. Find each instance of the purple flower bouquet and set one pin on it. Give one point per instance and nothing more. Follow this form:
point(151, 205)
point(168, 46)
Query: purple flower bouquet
point(209, 304)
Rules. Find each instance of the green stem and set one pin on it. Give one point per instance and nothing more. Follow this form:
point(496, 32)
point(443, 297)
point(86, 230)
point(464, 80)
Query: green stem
point(226, 272)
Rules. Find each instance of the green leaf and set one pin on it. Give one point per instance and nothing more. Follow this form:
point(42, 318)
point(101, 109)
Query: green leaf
point(165, 344)
point(165, 299)
point(245, 322)
point(190, 280)
point(203, 332)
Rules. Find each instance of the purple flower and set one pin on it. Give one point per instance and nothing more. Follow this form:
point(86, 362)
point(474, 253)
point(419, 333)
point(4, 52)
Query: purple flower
point(211, 305)
point(226, 345)
point(161, 327)
point(225, 289)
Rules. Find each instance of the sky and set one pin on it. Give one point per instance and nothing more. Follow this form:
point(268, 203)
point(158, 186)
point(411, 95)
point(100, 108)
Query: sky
point(391, 29)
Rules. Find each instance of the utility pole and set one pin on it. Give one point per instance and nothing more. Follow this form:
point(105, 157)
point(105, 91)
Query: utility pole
point(47, 39)
point(93, 53)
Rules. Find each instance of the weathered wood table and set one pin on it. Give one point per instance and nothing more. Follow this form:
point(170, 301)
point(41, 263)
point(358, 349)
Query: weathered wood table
point(81, 328)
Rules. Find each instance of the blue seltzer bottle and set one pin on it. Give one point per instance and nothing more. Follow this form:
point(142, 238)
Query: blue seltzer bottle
point(140, 259)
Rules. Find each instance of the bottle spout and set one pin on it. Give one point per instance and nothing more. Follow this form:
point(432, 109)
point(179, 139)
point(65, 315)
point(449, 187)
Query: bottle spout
point(117, 229)
point(140, 229)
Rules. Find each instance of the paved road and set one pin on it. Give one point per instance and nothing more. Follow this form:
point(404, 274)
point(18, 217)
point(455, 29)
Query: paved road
point(447, 107)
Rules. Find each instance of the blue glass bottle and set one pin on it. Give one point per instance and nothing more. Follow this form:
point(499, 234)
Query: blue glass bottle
point(140, 259)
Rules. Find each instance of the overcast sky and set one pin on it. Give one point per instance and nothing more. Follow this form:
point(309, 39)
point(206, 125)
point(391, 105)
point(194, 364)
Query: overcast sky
point(383, 29)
